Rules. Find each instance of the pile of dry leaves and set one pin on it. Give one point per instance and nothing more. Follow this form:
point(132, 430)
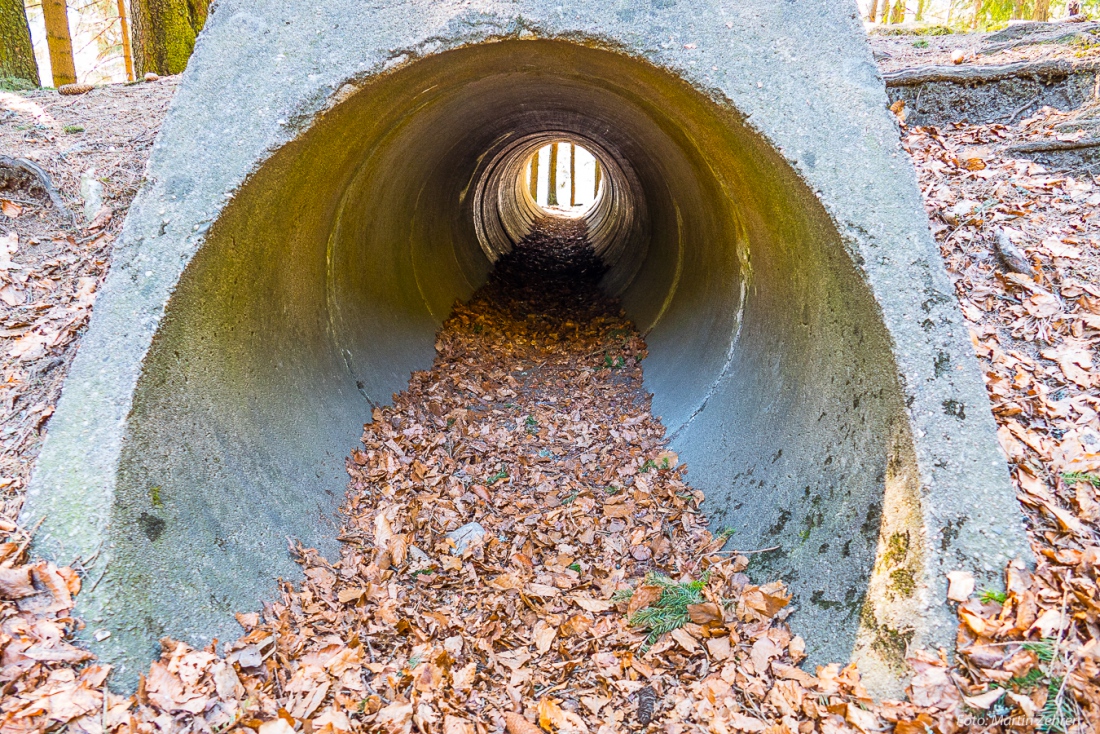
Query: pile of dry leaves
point(518, 540)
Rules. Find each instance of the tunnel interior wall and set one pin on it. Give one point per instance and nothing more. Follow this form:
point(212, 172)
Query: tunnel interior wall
point(321, 287)
point(788, 427)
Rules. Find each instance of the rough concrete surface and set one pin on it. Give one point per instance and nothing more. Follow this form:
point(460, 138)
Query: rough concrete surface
point(323, 190)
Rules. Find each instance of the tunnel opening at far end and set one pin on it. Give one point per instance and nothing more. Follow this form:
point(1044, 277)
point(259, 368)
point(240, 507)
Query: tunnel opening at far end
point(323, 283)
point(563, 179)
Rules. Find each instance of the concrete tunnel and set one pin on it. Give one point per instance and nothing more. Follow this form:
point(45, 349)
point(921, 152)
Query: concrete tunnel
point(817, 382)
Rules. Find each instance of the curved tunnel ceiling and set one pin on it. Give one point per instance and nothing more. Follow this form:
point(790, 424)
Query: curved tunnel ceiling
point(320, 288)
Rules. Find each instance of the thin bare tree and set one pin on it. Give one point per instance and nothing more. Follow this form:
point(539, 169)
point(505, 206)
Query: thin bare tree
point(62, 67)
point(552, 178)
point(127, 49)
point(572, 174)
point(898, 14)
point(534, 183)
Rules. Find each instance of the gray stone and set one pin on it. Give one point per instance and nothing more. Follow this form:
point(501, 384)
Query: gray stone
point(333, 175)
point(468, 535)
point(91, 191)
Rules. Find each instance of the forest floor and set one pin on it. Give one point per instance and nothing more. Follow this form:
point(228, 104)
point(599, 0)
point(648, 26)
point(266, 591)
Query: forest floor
point(51, 264)
point(532, 618)
point(1067, 41)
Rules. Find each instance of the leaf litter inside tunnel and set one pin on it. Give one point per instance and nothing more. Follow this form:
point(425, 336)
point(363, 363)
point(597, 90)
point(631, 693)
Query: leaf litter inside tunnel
point(521, 553)
point(533, 424)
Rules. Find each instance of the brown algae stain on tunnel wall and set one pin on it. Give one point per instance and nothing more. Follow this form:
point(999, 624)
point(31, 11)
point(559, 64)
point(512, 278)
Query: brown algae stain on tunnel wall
point(321, 286)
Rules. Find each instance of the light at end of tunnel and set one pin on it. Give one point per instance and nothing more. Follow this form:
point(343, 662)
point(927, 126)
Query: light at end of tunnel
point(563, 178)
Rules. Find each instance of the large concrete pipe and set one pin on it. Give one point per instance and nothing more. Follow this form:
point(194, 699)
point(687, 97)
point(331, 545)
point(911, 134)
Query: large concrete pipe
point(333, 176)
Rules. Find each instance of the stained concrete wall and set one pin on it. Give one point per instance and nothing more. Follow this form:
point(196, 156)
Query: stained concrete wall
point(328, 182)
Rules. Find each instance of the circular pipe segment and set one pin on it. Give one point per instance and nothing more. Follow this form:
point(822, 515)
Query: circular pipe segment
point(504, 210)
point(321, 286)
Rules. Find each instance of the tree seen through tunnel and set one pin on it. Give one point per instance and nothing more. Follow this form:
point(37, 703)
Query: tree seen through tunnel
point(564, 183)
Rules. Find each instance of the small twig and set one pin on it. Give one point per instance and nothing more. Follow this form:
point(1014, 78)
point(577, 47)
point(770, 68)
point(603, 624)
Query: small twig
point(24, 202)
point(1012, 117)
point(748, 552)
point(30, 535)
point(103, 720)
point(96, 582)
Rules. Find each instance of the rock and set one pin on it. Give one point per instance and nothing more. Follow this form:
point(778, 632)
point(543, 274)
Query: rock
point(469, 534)
point(1009, 255)
point(91, 190)
point(250, 657)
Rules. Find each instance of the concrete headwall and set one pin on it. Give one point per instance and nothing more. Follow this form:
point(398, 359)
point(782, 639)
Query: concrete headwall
point(333, 176)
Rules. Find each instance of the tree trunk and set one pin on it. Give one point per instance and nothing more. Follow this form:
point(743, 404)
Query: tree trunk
point(572, 174)
point(16, 51)
point(1041, 11)
point(56, 15)
point(534, 184)
point(898, 16)
point(127, 49)
point(977, 15)
point(598, 176)
point(872, 14)
point(1017, 9)
point(552, 179)
point(165, 32)
point(920, 10)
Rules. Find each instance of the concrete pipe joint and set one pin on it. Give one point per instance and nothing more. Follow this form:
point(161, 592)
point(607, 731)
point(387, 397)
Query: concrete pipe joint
point(332, 177)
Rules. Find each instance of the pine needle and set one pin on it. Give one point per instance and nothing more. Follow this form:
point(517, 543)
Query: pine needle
point(670, 611)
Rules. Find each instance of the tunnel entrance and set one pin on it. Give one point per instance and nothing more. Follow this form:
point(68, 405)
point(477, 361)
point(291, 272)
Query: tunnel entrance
point(767, 361)
point(322, 284)
point(768, 364)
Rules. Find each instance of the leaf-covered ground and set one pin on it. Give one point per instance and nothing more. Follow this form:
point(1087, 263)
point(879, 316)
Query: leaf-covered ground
point(521, 553)
point(533, 424)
